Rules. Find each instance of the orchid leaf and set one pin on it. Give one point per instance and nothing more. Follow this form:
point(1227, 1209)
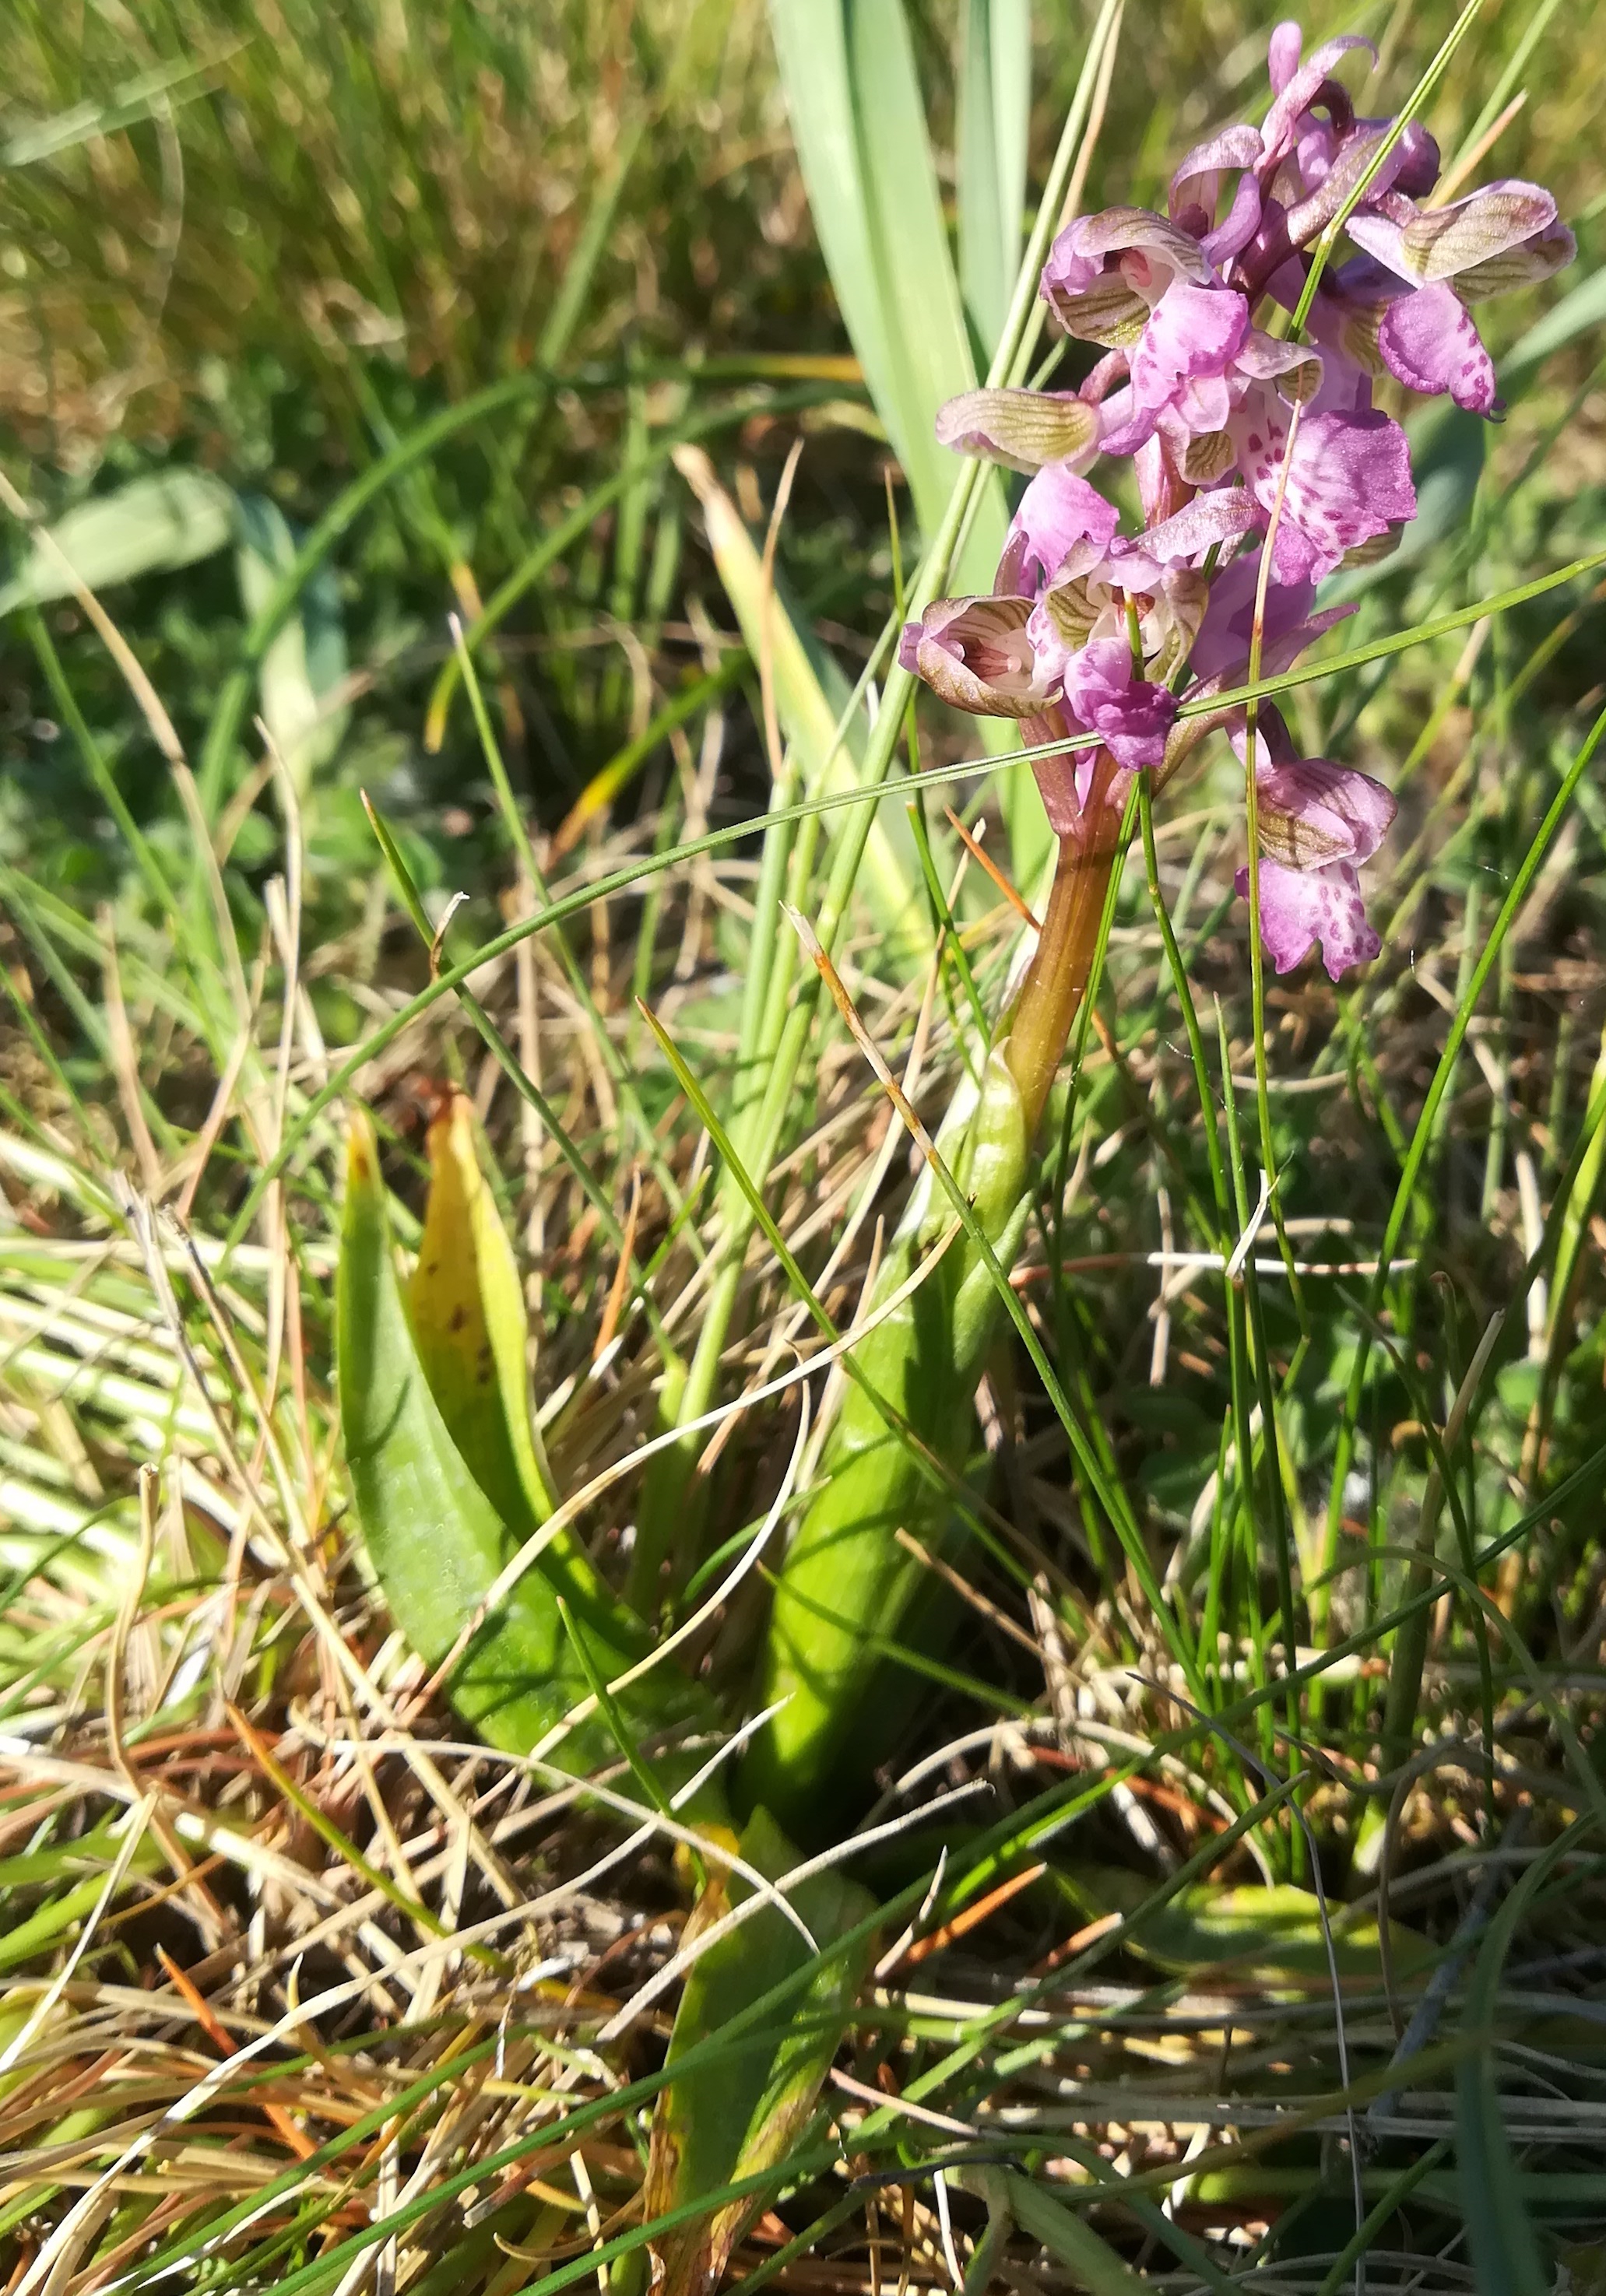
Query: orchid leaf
point(467, 1311)
point(438, 1543)
point(304, 669)
point(151, 526)
point(748, 2109)
point(1265, 1936)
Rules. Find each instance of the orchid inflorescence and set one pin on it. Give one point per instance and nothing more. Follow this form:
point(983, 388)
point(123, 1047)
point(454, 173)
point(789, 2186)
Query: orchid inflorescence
point(1235, 431)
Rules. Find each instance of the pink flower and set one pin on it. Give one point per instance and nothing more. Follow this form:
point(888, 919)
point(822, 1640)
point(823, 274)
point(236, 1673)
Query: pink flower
point(1318, 823)
point(1103, 694)
point(1426, 267)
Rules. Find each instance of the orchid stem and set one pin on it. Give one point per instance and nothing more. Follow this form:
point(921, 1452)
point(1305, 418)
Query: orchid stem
point(1050, 998)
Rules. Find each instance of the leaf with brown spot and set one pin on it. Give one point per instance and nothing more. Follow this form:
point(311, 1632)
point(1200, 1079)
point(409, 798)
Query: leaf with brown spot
point(467, 1309)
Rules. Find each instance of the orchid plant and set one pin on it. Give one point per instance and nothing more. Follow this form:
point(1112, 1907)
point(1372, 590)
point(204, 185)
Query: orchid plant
point(1236, 372)
point(1239, 435)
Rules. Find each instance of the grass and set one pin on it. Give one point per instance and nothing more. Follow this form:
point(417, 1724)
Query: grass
point(304, 1987)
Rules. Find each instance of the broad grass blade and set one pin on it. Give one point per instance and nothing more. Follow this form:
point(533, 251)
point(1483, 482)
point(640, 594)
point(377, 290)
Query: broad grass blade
point(746, 2111)
point(437, 1543)
point(150, 525)
point(858, 123)
point(995, 102)
point(473, 1335)
point(1091, 2261)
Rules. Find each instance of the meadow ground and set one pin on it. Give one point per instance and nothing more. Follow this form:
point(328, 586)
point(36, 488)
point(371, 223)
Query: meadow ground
point(441, 495)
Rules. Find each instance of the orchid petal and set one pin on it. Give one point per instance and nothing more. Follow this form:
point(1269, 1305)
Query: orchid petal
point(1191, 332)
point(1239, 225)
point(1132, 714)
point(1288, 626)
point(1206, 457)
point(1234, 147)
point(1299, 906)
point(1283, 57)
point(1354, 155)
point(976, 655)
point(1429, 341)
point(1161, 489)
point(1207, 522)
point(1264, 357)
point(1024, 430)
point(1057, 510)
point(1350, 478)
point(1438, 243)
point(1107, 303)
point(1381, 238)
point(1311, 811)
point(1418, 171)
point(1280, 127)
point(1540, 258)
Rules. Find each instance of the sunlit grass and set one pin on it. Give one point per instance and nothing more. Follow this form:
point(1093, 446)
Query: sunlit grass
point(300, 1984)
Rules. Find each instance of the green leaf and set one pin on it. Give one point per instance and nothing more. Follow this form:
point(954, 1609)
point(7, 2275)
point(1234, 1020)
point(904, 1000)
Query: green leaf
point(811, 695)
point(858, 123)
point(1265, 1935)
point(150, 525)
point(437, 1543)
point(1092, 2262)
point(995, 102)
point(848, 1580)
point(748, 2109)
point(305, 666)
point(468, 1310)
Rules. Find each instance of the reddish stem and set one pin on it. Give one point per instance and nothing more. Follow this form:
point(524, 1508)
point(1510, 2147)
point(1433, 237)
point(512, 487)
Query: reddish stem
point(1050, 998)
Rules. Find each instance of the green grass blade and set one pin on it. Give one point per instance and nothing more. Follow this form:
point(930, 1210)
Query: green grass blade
point(858, 123)
point(994, 107)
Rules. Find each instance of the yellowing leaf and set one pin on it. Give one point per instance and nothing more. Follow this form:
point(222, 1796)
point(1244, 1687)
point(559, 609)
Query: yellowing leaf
point(438, 1545)
point(467, 1308)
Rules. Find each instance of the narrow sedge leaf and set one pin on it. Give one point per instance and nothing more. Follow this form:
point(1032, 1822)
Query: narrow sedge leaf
point(747, 2112)
point(438, 1545)
point(467, 1309)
